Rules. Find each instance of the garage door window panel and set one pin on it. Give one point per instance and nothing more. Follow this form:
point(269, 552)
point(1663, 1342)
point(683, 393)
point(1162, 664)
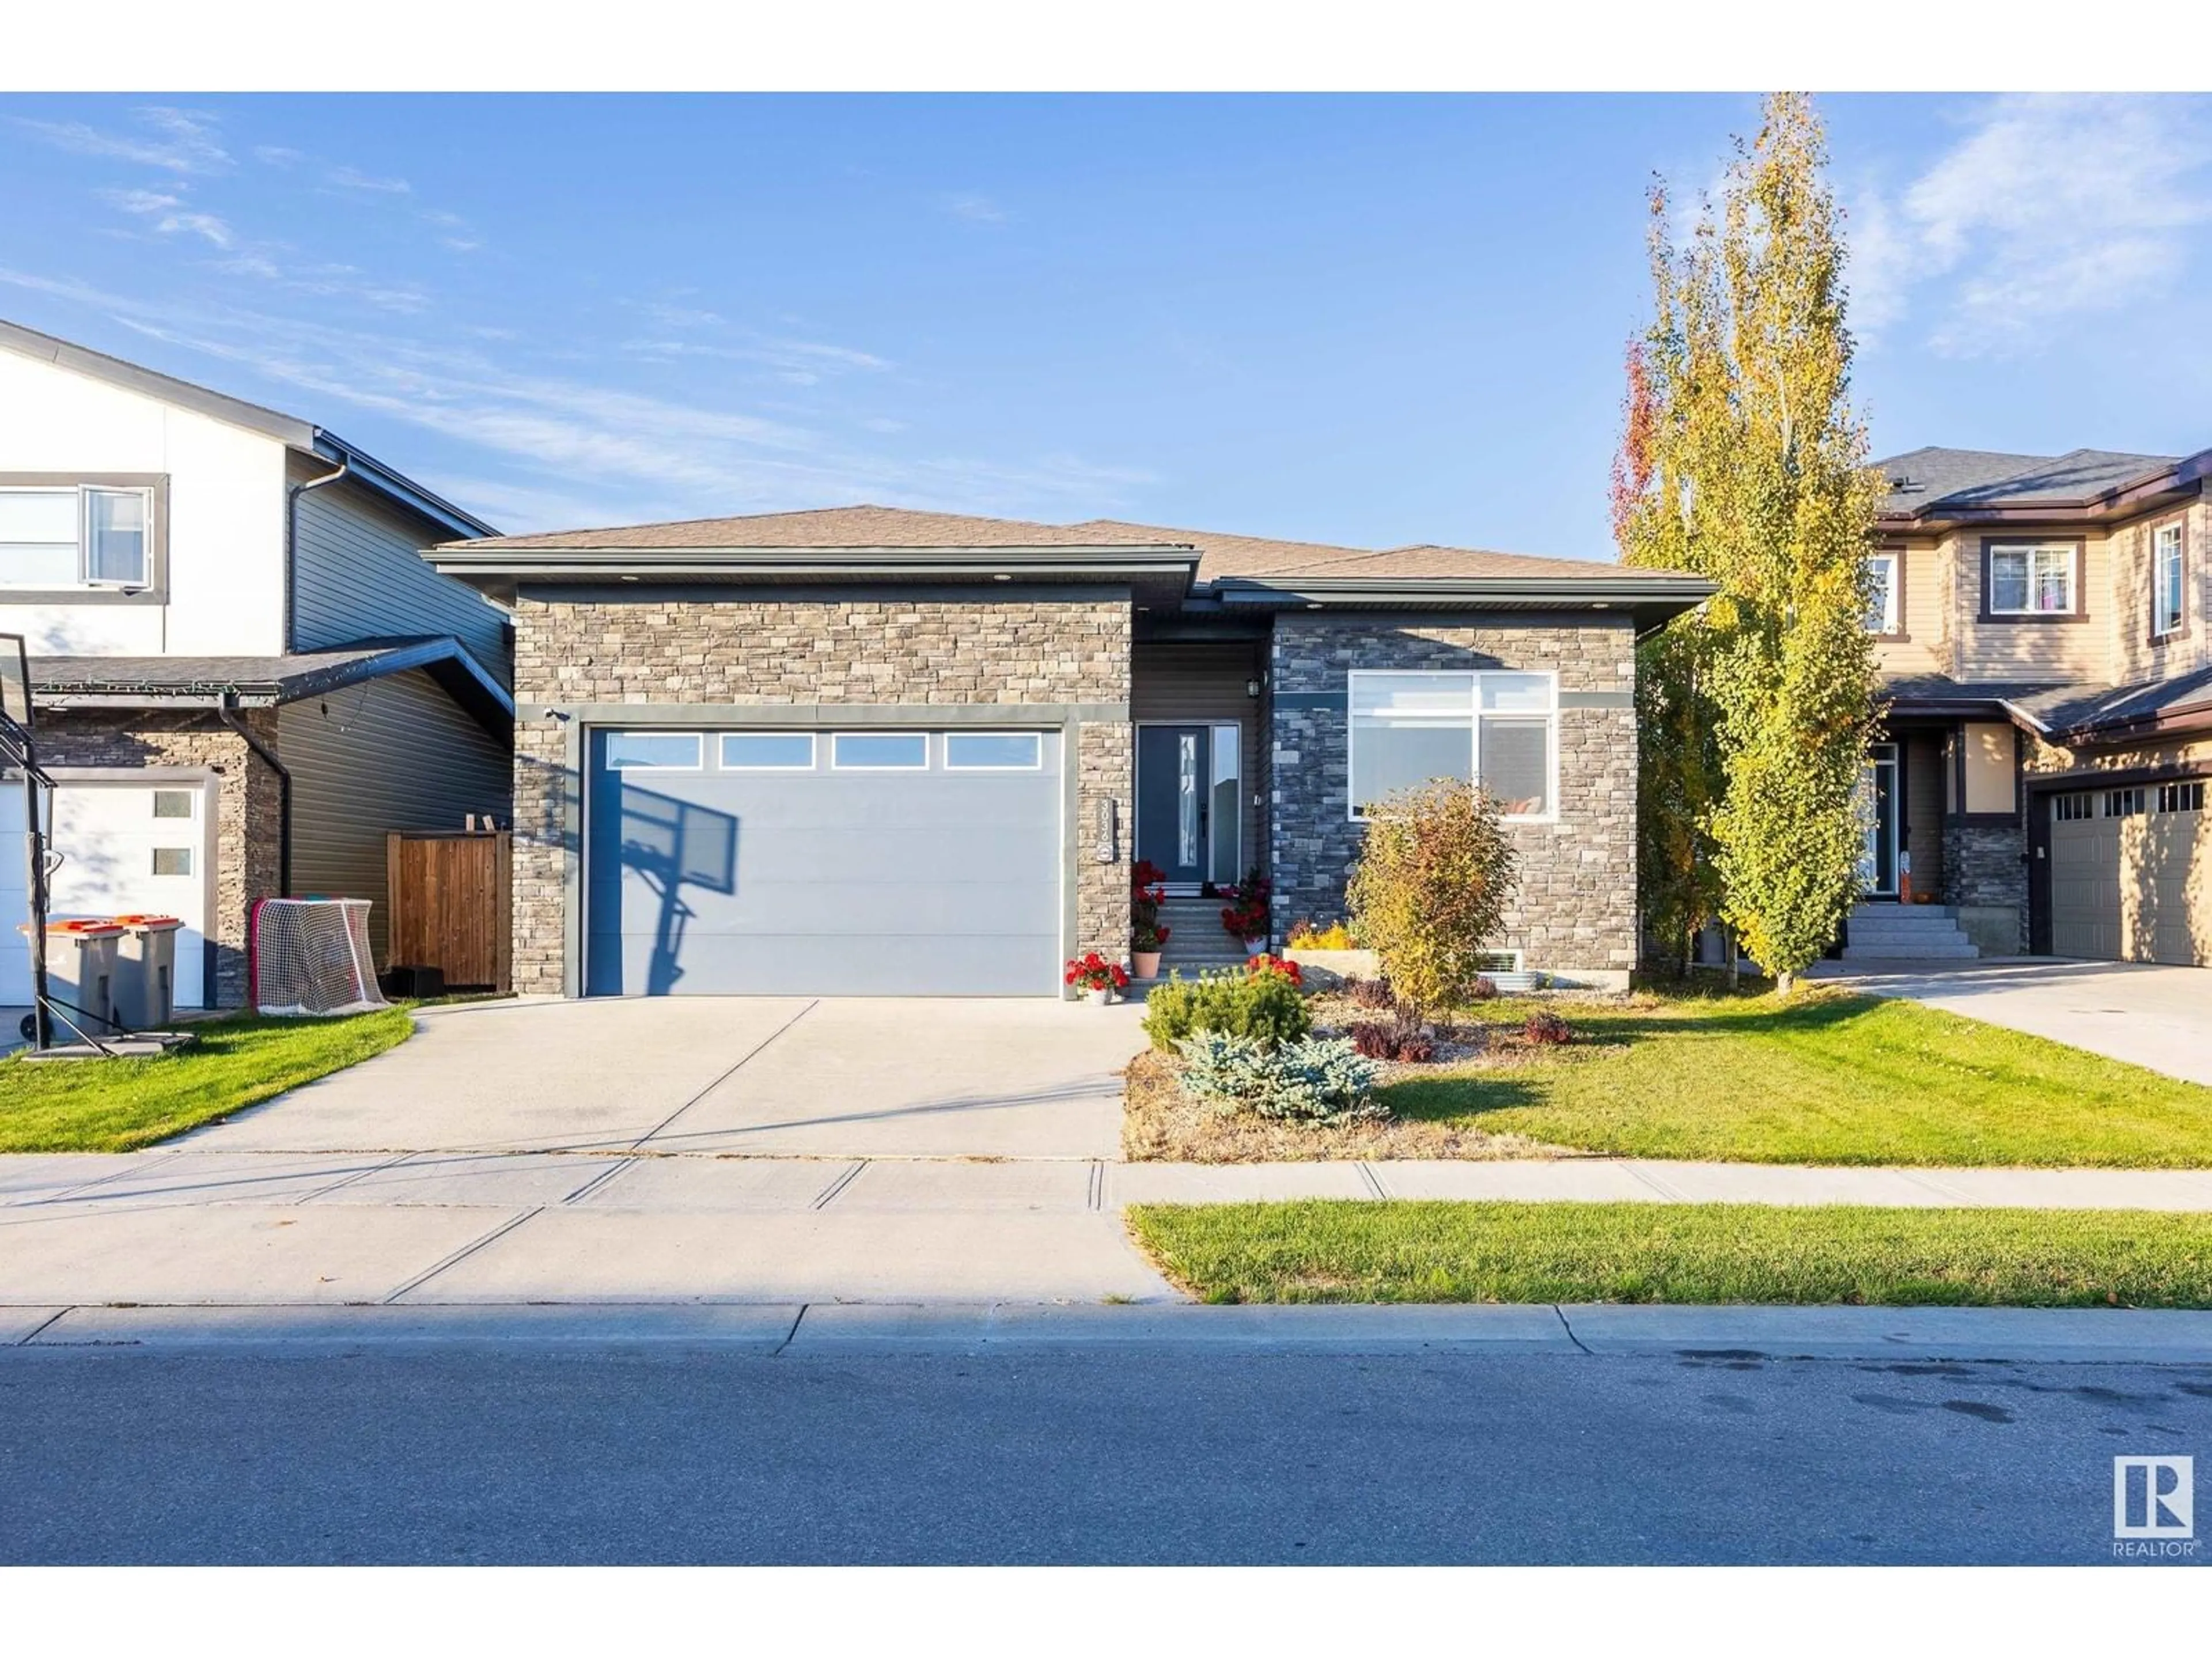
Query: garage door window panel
point(652, 751)
point(880, 751)
point(768, 751)
point(993, 751)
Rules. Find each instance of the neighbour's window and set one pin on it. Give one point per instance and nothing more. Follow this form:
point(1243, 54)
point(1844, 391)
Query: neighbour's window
point(2167, 609)
point(2181, 798)
point(652, 751)
point(2031, 581)
point(768, 751)
point(992, 751)
point(1500, 729)
point(76, 535)
point(879, 752)
point(1881, 593)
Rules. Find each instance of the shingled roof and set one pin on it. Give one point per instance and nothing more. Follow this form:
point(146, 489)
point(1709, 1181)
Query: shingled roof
point(1928, 482)
point(1220, 556)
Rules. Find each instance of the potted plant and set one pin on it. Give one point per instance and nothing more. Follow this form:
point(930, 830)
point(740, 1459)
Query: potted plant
point(1146, 935)
point(1245, 914)
point(1095, 977)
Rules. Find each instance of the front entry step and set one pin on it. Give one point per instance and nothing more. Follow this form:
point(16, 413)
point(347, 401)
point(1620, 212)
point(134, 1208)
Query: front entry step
point(1913, 932)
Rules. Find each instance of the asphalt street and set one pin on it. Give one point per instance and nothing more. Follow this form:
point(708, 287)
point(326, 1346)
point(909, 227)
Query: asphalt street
point(534, 1454)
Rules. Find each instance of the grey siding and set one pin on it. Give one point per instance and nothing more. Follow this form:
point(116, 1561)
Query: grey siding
point(1173, 681)
point(358, 574)
point(395, 753)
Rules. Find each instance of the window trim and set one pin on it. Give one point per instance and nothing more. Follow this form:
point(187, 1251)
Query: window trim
point(698, 763)
point(1893, 620)
point(1036, 749)
point(1474, 715)
point(837, 738)
point(2074, 544)
point(155, 486)
point(722, 763)
point(2179, 526)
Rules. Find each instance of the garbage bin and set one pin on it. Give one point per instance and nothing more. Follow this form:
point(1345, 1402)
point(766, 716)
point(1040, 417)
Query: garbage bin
point(81, 973)
point(146, 972)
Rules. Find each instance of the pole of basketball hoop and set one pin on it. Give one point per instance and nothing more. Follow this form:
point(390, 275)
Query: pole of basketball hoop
point(34, 854)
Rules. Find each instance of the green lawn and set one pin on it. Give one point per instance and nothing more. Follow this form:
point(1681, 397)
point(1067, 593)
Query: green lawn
point(119, 1105)
point(1352, 1251)
point(1823, 1078)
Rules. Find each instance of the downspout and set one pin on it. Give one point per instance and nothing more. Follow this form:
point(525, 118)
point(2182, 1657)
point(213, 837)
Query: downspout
point(292, 493)
point(227, 711)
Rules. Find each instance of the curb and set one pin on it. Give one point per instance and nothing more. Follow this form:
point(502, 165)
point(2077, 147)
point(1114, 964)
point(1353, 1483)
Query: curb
point(2129, 1336)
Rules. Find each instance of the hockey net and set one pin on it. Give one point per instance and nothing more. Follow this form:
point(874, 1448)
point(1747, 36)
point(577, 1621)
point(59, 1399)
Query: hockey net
point(311, 956)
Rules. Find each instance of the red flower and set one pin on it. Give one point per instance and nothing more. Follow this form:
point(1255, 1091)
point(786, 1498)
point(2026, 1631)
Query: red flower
point(1093, 972)
point(1264, 964)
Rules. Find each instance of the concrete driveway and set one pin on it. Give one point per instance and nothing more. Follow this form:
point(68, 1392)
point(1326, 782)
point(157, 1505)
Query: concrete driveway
point(2160, 1018)
point(797, 1077)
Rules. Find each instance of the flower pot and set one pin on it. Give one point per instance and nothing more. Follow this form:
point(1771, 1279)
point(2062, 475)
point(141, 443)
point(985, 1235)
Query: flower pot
point(1146, 963)
point(1098, 995)
point(1253, 947)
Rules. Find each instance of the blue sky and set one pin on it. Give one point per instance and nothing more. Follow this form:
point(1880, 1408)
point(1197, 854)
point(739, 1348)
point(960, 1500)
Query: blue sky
point(1363, 320)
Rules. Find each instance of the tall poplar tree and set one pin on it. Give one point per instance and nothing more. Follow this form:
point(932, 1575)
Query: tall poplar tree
point(1742, 461)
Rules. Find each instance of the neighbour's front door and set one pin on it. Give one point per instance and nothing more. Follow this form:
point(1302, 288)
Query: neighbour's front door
point(1171, 799)
point(1877, 808)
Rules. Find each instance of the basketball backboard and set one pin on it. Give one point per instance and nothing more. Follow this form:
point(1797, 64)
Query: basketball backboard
point(14, 680)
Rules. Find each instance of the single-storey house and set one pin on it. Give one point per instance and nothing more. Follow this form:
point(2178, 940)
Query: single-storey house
point(867, 751)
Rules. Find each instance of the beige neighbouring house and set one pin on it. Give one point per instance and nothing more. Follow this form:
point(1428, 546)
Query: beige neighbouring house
point(2042, 775)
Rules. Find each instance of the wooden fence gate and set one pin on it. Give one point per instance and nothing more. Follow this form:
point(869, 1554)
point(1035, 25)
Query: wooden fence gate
point(451, 905)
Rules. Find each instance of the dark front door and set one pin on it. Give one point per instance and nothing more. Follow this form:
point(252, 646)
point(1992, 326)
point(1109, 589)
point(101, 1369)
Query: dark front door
point(1171, 799)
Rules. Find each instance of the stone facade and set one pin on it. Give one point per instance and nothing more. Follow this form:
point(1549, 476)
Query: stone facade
point(249, 811)
point(1575, 908)
point(1985, 879)
point(717, 646)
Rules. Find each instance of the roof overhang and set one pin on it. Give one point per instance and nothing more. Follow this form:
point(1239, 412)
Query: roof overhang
point(69, 683)
point(2165, 486)
point(1160, 573)
point(1648, 599)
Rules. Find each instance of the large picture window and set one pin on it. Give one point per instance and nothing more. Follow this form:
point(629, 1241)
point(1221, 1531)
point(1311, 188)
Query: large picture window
point(59, 536)
point(2031, 581)
point(2168, 610)
point(1499, 728)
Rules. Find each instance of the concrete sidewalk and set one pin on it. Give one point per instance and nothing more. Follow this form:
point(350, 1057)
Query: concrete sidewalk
point(1733, 1333)
point(210, 1228)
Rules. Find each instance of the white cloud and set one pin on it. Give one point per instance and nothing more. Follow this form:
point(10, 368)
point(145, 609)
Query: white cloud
point(179, 140)
point(344, 178)
point(2049, 207)
point(170, 215)
point(975, 207)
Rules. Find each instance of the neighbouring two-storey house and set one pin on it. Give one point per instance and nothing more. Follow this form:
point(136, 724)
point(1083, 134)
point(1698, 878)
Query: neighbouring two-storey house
point(2044, 650)
point(243, 675)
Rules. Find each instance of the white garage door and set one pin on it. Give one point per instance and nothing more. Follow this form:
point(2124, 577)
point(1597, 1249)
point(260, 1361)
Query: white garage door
point(883, 863)
point(126, 848)
point(2131, 874)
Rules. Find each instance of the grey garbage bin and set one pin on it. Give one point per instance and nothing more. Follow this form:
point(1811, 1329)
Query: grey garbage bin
point(146, 972)
point(81, 974)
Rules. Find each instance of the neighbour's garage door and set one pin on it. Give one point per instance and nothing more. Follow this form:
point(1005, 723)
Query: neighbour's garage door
point(2131, 874)
point(883, 863)
point(125, 848)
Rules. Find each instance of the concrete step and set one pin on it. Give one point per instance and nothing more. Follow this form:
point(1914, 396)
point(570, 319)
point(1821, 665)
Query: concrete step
point(1891, 950)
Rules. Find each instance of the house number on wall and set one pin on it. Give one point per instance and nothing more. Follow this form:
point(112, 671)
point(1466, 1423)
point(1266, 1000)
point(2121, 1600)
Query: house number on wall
point(1103, 852)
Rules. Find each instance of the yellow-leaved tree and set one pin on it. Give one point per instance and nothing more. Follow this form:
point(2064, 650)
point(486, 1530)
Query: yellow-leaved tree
point(1743, 460)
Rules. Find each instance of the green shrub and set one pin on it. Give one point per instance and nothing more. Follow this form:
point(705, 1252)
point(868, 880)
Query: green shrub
point(1265, 1008)
point(1430, 889)
point(1313, 1080)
